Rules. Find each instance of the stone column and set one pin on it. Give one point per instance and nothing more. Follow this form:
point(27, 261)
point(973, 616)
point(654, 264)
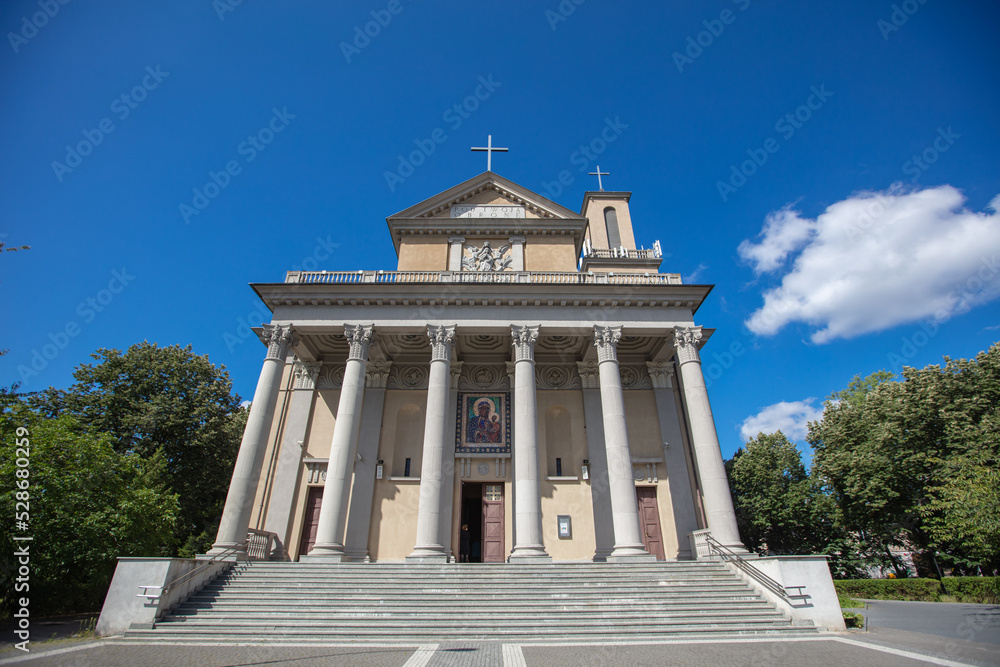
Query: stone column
point(517, 252)
point(429, 548)
point(528, 546)
point(239, 502)
point(600, 498)
point(624, 505)
point(448, 479)
point(286, 474)
point(681, 496)
point(360, 511)
point(455, 246)
point(333, 510)
point(711, 471)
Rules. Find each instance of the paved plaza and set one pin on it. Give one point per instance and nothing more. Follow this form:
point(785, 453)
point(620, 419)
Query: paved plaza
point(900, 634)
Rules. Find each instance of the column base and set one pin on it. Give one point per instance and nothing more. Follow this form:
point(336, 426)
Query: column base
point(531, 553)
point(325, 553)
point(220, 549)
point(434, 554)
point(630, 554)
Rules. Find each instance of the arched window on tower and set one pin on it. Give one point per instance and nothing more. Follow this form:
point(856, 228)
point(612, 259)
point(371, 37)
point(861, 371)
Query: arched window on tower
point(611, 224)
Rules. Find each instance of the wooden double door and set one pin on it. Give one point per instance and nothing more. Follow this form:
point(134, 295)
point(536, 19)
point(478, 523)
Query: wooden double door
point(483, 512)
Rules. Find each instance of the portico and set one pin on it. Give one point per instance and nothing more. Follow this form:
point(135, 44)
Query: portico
point(514, 348)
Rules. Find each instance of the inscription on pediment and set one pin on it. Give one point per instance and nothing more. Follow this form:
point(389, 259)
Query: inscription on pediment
point(487, 211)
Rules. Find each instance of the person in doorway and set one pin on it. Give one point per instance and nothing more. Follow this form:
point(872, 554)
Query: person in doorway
point(464, 544)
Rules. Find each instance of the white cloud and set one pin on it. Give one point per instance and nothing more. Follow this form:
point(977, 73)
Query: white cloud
point(694, 275)
point(877, 260)
point(784, 232)
point(789, 418)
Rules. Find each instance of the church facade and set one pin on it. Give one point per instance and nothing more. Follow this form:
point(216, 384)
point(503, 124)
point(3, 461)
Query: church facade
point(526, 372)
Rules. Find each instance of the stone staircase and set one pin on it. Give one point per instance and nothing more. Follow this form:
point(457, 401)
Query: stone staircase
point(399, 603)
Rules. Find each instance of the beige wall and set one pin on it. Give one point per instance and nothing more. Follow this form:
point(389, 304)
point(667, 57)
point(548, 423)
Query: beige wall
point(418, 253)
point(550, 253)
point(560, 434)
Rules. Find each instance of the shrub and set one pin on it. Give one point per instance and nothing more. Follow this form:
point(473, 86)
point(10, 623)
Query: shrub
point(963, 589)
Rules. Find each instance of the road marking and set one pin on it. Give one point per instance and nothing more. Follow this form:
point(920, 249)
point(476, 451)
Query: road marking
point(421, 656)
point(45, 654)
point(905, 654)
point(512, 656)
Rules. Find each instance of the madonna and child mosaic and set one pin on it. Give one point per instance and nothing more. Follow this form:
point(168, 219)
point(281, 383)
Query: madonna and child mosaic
point(483, 424)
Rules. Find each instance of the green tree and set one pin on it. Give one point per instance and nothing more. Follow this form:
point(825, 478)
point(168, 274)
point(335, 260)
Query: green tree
point(167, 400)
point(895, 454)
point(85, 505)
point(781, 508)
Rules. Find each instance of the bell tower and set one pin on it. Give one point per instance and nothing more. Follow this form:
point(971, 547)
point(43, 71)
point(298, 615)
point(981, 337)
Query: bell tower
point(609, 244)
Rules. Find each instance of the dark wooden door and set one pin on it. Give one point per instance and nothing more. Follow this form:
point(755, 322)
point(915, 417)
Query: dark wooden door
point(493, 542)
point(649, 519)
point(311, 521)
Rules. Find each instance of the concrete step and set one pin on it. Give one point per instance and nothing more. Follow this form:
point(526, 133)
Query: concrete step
point(311, 603)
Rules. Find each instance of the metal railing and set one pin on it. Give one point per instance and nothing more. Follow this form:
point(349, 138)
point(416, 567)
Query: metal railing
point(257, 546)
point(744, 566)
point(488, 277)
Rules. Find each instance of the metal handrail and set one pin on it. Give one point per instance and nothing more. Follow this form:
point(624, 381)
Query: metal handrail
point(190, 574)
point(767, 582)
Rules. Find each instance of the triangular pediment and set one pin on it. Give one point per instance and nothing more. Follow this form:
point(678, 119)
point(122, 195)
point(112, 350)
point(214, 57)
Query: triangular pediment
point(487, 204)
point(487, 188)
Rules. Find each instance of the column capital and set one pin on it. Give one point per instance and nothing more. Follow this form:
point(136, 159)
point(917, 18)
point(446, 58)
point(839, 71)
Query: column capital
point(590, 374)
point(306, 373)
point(456, 373)
point(523, 340)
point(279, 339)
point(518, 239)
point(359, 339)
point(510, 372)
point(441, 338)
point(377, 374)
point(456, 239)
point(661, 374)
point(606, 341)
point(686, 342)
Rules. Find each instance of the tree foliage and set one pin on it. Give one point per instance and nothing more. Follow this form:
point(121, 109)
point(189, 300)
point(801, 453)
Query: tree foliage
point(782, 509)
point(913, 462)
point(86, 505)
point(164, 401)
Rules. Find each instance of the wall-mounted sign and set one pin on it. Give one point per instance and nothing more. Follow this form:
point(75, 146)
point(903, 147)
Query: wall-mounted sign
point(565, 527)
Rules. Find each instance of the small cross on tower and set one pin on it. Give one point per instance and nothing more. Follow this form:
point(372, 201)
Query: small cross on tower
point(489, 148)
point(600, 173)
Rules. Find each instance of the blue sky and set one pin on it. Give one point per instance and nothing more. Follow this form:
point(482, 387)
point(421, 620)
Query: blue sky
point(828, 166)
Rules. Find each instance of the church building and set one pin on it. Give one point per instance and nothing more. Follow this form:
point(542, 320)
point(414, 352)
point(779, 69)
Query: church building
point(526, 370)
